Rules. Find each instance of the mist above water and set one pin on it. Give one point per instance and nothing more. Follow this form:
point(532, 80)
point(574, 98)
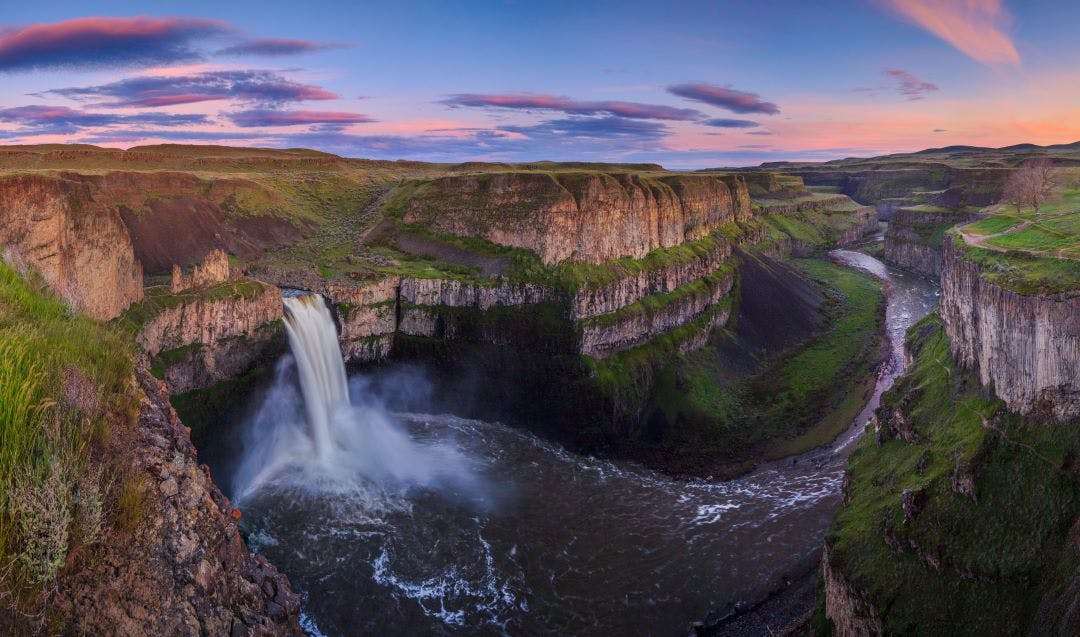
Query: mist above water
point(326, 439)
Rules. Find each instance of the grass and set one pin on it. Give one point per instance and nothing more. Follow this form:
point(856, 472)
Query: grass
point(992, 225)
point(1055, 226)
point(983, 565)
point(63, 384)
point(1022, 272)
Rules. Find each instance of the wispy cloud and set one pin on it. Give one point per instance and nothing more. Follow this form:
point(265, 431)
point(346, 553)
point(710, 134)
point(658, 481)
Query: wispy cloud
point(269, 47)
point(592, 128)
point(725, 97)
point(39, 119)
point(89, 43)
point(910, 86)
point(721, 122)
point(266, 117)
point(542, 102)
point(975, 27)
point(264, 87)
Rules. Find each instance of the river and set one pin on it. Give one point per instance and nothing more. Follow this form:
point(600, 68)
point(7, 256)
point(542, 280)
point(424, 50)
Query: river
point(480, 528)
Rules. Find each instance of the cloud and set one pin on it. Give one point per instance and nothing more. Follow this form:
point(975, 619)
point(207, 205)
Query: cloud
point(941, 130)
point(910, 86)
point(277, 47)
point(592, 128)
point(135, 135)
point(541, 102)
point(263, 87)
point(974, 27)
point(89, 43)
point(724, 97)
point(730, 123)
point(760, 132)
point(264, 117)
point(39, 119)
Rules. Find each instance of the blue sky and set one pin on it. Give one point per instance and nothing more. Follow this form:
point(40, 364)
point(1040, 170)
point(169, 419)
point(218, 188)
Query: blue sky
point(454, 81)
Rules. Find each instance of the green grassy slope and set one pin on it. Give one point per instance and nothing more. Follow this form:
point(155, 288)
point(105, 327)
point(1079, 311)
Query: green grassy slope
point(64, 386)
point(988, 544)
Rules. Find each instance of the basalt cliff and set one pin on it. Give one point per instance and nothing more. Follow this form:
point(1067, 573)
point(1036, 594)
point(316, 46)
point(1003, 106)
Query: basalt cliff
point(581, 217)
point(1025, 347)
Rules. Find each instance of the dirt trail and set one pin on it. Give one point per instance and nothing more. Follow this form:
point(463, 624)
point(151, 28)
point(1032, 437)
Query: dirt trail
point(980, 241)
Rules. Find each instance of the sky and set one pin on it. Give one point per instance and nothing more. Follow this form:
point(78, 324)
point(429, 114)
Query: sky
point(684, 84)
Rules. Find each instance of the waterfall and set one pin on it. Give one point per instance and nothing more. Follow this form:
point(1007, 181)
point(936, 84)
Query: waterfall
point(321, 439)
point(313, 339)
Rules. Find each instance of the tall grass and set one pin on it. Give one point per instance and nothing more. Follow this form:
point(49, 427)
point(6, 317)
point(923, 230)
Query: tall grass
point(63, 379)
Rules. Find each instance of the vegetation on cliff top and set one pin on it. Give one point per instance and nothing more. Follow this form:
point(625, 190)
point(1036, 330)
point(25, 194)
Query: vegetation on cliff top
point(64, 384)
point(985, 543)
point(159, 298)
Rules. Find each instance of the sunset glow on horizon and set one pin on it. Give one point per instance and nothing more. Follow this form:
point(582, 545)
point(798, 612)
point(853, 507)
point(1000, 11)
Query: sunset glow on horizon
point(686, 85)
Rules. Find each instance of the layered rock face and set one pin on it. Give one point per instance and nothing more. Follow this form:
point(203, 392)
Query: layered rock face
point(607, 334)
point(184, 569)
point(590, 301)
point(82, 248)
point(205, 338)
point(913, 239)
point(1026, 348)
point(590, 217)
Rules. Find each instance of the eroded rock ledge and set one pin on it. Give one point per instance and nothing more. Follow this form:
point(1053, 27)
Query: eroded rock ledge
point(1026, 348)
point(81, 247)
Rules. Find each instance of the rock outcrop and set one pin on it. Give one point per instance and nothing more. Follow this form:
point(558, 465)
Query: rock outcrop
point(1026, 348)
point(81, 247)
point(590, 217)
point(183, 569)
point(178, 218)
point(213, 270)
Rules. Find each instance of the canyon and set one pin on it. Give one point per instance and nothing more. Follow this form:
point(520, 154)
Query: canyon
point(687, 322)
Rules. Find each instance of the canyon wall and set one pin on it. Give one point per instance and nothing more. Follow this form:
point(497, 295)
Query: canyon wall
point(81, 247)
point(638, 323)
point(592, 300)
point(590, 217)
point(1026, 348)
point(890, 187)
point(913, 240)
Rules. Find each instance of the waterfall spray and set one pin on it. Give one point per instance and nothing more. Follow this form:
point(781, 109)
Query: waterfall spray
point(314, 344)
point(321, 439)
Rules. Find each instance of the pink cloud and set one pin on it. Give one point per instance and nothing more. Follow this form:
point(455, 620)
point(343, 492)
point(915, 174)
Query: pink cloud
point(266, 117)
point(975, 27)
point(104, 42)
